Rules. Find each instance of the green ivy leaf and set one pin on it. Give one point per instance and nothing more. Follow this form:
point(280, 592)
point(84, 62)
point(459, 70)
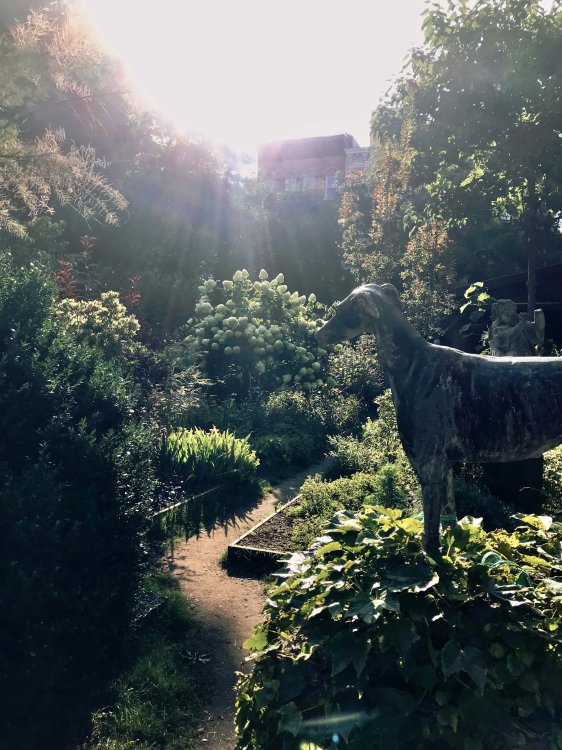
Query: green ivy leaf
point(257, 642)
point(365, 607)
point(451, 658)
point(348, 648)
point(291, 718)
point(475, 666)
point(331, 547)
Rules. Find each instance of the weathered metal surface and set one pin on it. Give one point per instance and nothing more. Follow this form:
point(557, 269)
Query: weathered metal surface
point(452, 406)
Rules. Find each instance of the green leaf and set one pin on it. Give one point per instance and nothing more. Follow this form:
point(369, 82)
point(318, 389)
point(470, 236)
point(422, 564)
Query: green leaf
point(331, 547)
point(256, 642)
point(348, 648)
point(291, 718)
point(451, 658)
point(475, 665)
point(365, 607)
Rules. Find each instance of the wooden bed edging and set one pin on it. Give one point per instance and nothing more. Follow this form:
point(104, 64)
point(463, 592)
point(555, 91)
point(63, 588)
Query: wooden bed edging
point(262, 560)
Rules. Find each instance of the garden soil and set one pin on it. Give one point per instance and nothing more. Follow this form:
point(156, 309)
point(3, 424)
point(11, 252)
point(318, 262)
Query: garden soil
point(226, 608)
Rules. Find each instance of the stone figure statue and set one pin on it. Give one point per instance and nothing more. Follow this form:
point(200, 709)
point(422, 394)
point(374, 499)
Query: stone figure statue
point(451, 406)
point(512, 335)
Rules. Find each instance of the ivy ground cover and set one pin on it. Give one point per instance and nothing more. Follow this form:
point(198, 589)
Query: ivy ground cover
point(369, 643)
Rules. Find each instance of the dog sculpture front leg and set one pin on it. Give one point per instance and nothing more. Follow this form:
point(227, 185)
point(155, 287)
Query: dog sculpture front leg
point(437, 493)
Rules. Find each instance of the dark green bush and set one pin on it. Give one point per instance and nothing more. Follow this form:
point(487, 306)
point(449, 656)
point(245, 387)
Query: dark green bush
point(552, 486)
point(370, 643)
point(355, 369)
point(378, 444)
point(286, 427)
point(157, 701)
point(77, 478)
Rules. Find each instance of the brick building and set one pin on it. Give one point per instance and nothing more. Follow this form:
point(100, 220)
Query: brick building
point(310, 163)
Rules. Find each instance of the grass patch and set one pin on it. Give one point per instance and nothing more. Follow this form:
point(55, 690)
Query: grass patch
point(157, 703)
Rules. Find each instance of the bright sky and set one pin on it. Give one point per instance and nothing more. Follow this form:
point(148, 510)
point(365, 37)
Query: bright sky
point(244, 72)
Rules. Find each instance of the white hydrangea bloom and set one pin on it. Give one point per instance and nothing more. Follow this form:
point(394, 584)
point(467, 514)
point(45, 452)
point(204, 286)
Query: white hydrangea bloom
point(263, 274)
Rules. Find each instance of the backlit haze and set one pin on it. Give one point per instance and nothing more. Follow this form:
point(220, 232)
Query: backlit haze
point(245, 72)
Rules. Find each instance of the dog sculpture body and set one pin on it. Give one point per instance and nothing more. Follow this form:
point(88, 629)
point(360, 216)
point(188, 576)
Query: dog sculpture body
point(451, 406)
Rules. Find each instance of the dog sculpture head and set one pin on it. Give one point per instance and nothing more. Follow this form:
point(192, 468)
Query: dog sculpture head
point(359, 312)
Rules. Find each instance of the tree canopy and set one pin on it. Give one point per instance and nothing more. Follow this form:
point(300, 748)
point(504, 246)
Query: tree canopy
point(484, 96)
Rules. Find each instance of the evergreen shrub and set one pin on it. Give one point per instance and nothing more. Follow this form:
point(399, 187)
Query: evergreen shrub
point(369, 643)
point(77, 479)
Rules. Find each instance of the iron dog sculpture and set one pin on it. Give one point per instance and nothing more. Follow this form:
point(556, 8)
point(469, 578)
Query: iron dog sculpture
point(451, 406)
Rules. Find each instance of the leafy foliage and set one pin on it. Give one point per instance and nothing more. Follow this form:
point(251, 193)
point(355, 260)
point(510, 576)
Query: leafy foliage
point(378, 444)
point(78, 474)
point(368, 642)
point(354, 367)
point(208, 457)
point(484, 99)
point(552, 480)
point(321, 500)
point(42, 60)
point(286, 427)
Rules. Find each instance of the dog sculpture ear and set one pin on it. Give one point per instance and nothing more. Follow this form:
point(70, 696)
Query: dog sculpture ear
point(391, 293)
point(366, 303)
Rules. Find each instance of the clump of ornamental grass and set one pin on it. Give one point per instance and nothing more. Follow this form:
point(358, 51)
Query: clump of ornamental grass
point(203, 457)
point(369, 643)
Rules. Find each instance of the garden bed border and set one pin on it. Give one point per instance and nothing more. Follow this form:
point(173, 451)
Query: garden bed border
point(239, 554)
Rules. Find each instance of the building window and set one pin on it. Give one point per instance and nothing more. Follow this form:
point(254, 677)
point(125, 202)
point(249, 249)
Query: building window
point(290, 182)
point(331, 190)
point(308, 181)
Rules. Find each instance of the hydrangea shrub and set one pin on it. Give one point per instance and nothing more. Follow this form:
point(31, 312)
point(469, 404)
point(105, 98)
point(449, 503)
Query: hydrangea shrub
point(258, 333)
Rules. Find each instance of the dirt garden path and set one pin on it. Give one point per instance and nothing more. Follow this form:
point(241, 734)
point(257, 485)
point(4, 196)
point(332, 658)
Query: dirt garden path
point(226, 607)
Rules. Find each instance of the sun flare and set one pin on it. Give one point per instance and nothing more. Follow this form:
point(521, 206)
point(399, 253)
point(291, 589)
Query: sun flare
point(252, 71)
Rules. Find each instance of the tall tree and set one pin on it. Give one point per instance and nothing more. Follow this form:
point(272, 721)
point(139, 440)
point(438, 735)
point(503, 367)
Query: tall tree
point(45, 62)
point(486, 96)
